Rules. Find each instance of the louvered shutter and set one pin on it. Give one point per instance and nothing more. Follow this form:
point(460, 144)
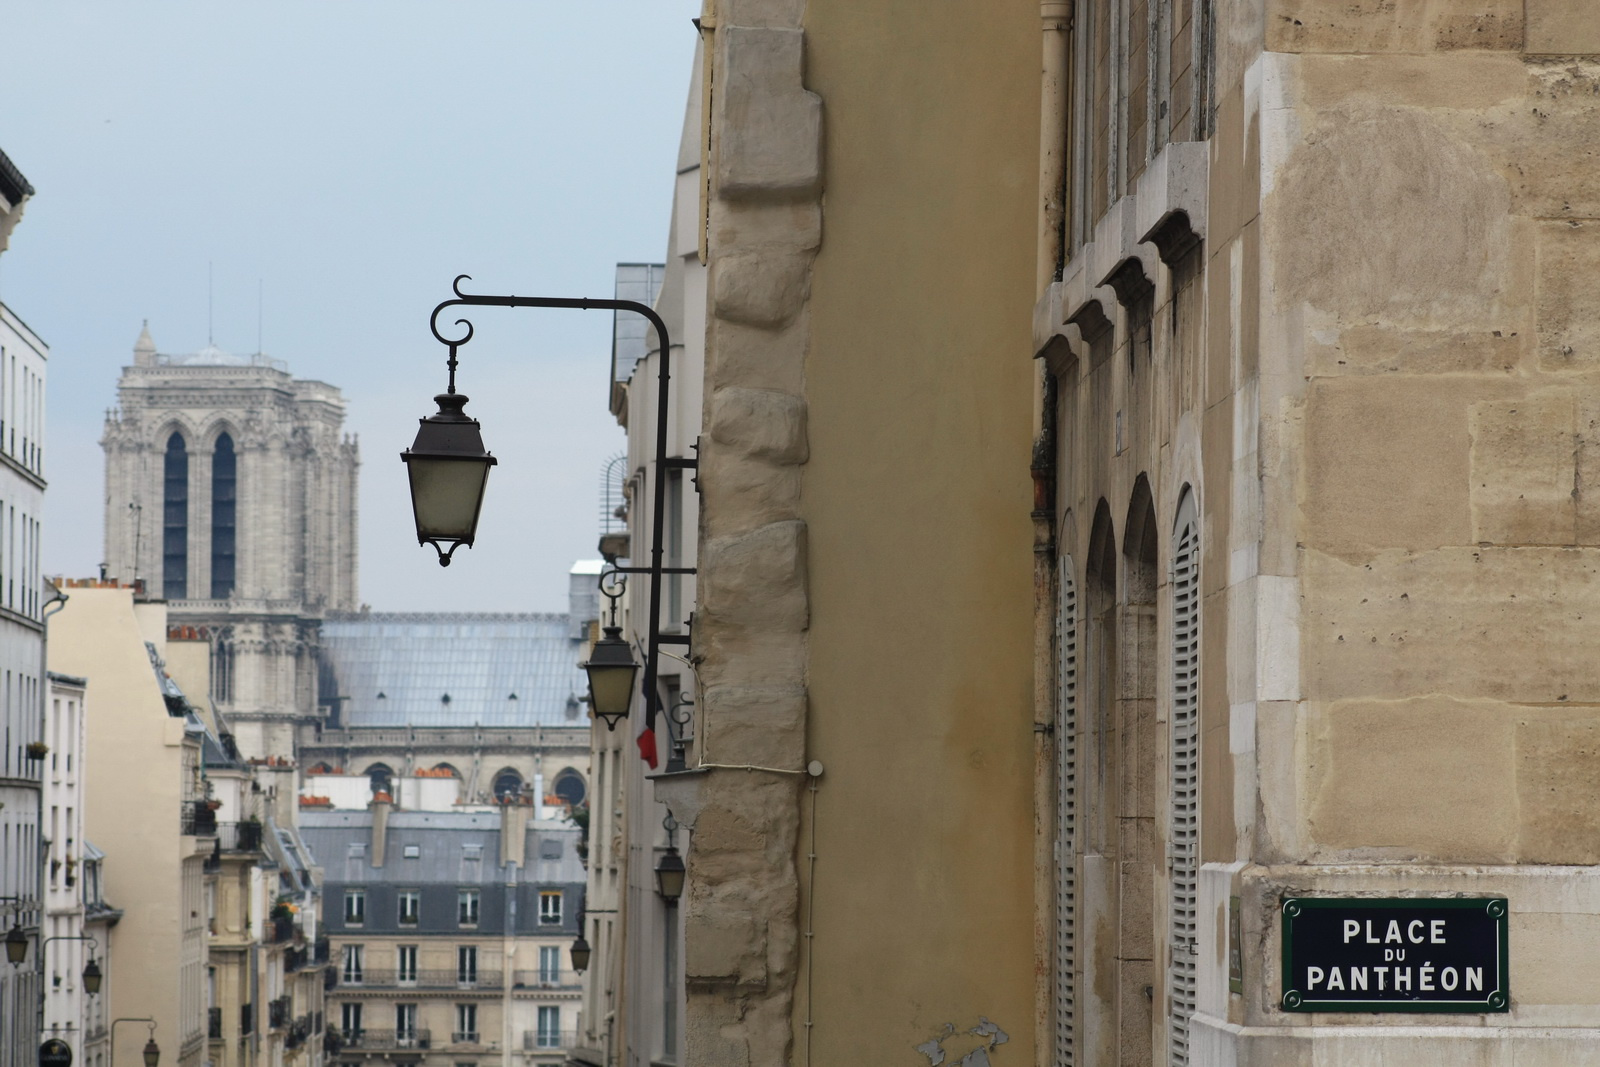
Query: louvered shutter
point(1066, 815)
point(1185, 834)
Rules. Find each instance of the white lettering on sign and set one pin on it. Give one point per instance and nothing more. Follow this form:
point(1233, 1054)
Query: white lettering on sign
point(1313, 976)
point(1358, 978)
point(1370, 939)
point(1411, 931)
point(1448, 979)
point(1436, 931)
point(1380, 972)
point(1402, 979)
point(1352, 927)
point(1474, 978)
point(1334, 981)
point(1393, 933)
point(1425, 977)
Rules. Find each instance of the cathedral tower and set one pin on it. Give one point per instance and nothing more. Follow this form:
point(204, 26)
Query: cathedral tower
point(231, 491)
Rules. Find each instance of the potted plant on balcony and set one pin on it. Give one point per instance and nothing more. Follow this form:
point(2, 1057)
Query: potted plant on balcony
point(37, 750)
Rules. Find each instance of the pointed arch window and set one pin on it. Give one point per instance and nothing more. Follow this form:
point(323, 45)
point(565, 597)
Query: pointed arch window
point(1185, 809)
point(224, 512)
point(175, 520)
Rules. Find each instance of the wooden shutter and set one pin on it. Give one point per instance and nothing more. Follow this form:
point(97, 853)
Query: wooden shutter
point(1185, 831)
point(1066, 815)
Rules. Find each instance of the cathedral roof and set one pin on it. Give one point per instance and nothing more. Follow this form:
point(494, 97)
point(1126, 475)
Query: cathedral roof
point(452, 669)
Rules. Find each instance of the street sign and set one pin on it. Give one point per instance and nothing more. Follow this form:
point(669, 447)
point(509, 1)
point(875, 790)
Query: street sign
point(55, 1053)
point(1439, 954)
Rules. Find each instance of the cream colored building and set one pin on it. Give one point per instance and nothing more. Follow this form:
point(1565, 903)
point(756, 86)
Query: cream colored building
point(66, 952)
point(146, 744)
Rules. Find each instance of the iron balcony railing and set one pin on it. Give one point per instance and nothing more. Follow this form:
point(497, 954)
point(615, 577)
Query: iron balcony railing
point(553, 979)
point(464, 1037)
point(386, 1039)
point(373, 978)
point(196, 818)
point(214, 1023)
point(538, 1040)
point(238, 836)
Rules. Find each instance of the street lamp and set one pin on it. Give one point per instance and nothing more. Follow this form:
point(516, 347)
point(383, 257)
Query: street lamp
point(449, 470)
point(152, 1051)
point(670, 871)
point(16, 944)
point(92, 977)
point(580, 954)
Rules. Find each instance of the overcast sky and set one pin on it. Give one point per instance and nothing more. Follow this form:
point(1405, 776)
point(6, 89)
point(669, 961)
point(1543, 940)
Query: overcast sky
point(349, 159)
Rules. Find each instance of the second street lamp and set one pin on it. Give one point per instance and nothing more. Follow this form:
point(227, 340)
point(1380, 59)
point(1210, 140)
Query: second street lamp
point(16, 945)
point(448, 470)
point(611, 669)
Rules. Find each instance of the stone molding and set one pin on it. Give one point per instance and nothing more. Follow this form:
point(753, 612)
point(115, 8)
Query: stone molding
point(741, 910)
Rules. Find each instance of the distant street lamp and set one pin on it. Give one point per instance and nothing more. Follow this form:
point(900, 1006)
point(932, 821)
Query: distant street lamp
point(580, 954)
point(92, 976)
point(449, 471)
point(16, 944)
point(152, 1051)
point(91, 973)
point(670, 871)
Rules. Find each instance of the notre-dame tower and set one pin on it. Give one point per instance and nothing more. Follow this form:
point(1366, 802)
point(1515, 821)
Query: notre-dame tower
point(231, 491)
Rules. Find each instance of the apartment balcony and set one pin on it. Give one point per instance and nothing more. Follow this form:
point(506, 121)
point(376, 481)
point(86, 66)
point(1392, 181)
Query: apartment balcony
point(239, 836)
point(540, 1040)
point(278, 1013)
point(527, 981)
point(296, 959)
point(378, 1040)
point(280, 930)
point(464, 1037)
point(372, 978)
point(214, 1024)
point(197, 819)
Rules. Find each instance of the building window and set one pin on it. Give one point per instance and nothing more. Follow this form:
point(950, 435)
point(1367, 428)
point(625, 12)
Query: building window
point(405, 1025)
point(549, 964)
point(350, 1019)
point(467, 964)
point(549, 1032)
point(355, 907)
point(410, 906)
point(224, 496)
point(466, 1023)
point(353, 969)
point(467, 907)
point(175, 521)
point(222, 670)
point(406, 964)
point(1185, 837)
point(549, 908)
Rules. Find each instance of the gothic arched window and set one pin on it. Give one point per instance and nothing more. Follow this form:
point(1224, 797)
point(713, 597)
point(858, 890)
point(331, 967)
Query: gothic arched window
point(224, 495)
point(175, 520)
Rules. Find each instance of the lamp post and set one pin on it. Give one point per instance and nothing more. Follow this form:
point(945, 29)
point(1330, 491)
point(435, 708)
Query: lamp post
point(16, 939)
point(152, 1051)
point(92, 975)
point(449, 470)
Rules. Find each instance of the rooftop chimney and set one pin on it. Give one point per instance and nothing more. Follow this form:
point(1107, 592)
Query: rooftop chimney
point(381, 803)
point(514, 831)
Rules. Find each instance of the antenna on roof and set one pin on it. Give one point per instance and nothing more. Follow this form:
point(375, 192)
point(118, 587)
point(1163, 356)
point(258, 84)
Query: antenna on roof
point(260, 285)
point(210, 333)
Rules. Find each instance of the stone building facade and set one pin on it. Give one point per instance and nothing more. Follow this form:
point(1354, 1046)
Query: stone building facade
point(231, 492)
point(1159, 491)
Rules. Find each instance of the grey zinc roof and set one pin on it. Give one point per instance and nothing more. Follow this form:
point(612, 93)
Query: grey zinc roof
point(446, 842)
point(391, 669)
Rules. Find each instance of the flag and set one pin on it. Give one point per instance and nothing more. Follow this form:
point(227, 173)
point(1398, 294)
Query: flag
point(647, 746)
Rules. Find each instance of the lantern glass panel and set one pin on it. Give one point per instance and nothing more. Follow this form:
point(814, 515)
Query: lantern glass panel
point(446, 496)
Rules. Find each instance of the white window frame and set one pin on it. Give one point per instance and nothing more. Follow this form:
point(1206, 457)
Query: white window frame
point(549, 916)
point(469, 906)
point(405, 964)
point(412, 897)
point(355, 907)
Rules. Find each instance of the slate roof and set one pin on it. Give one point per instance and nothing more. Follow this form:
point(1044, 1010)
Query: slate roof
point(445, 842)
point(396, 669)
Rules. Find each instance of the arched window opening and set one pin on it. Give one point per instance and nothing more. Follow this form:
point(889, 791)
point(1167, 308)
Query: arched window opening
point(1184, 840)
point(175, 520)
point(1138, 798)
point(1066, 815)
point(570, 788)
point(224, 508)
point(445, 770)
point(507, 785)
point(382, 779)
point(222, 670)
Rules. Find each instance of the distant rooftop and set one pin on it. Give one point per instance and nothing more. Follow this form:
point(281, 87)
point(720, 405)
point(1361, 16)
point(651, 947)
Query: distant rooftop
point(630, 330)
point(452, 669)
point(212, 356)
point(453, 848)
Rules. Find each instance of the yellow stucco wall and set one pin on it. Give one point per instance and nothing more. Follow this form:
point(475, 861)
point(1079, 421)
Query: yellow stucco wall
point(917, 501)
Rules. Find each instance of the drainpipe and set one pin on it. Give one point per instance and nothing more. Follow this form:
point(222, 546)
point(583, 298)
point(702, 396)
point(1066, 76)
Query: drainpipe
point(1054, 138)
point(56, 600)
